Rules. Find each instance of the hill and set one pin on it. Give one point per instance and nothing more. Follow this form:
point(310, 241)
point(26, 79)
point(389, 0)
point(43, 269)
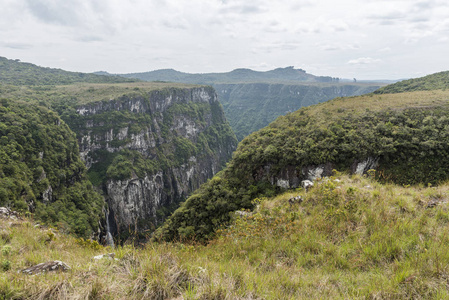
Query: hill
point(15, 72)
point(289, 74)
point(435, 81)
point(146, 145)
point(350, 238)
point(403, 136)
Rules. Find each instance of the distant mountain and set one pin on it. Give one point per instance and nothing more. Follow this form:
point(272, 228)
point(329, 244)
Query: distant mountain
point(19, 73)
point(437, 81)
point(284, 75)
point(253, 99)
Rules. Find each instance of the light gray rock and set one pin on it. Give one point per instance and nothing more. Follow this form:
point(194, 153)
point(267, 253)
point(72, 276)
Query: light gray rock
point(306, 184)
point(50, 266)
point(365, 165)
point(108, 256)
point(242, 213)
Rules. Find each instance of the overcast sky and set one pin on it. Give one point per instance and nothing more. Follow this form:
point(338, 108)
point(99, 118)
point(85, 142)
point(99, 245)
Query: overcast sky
point(365, 39)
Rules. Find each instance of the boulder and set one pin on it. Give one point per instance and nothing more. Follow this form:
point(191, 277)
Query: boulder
point(109, 256)
point(8, 213)
point(306, 184)
point(49, 266)
point(295, 200)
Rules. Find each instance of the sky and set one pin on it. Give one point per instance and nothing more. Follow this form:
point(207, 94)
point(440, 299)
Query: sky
point(369, 39)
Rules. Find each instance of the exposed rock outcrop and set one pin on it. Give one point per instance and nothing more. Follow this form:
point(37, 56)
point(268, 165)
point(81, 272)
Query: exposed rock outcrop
point(178, 139)
point(50, 266)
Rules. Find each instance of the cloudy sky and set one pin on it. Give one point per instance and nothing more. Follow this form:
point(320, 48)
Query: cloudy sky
point(369, 39)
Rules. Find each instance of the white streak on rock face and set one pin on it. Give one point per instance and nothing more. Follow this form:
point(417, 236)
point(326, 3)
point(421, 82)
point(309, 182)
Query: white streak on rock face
point(186, 127)
point(82, 111)
point(201, 95)
point(109, 135)
point(190, 172)
point(135, 106)
point(315, 173)
point(135, 198)
point(123, 133)
point(47, 194)
point(283, 183)
point(364, 166)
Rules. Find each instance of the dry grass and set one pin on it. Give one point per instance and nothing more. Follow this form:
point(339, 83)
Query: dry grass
point(350, 238)
point(85, 92)
point(373, 102)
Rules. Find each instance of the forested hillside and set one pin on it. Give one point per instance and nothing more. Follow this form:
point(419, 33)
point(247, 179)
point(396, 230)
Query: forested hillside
point(403, 136)
point(19, 73)
point(41, 171)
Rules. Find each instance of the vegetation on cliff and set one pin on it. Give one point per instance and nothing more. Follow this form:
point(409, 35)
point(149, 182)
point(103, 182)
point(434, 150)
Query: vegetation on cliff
point(350, 238)
point(437, 81)
point(252, 99)
point(41, 171)
point(252, 106)
point(407, 134)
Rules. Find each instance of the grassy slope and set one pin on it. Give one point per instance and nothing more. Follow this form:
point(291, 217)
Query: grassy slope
point(38, 151)
point(430, 82)
point(350, 238)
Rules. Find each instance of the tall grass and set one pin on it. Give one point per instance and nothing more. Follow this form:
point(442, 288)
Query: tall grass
point(351, 237)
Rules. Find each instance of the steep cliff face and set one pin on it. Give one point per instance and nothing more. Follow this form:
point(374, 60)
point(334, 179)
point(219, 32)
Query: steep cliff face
point(150, 149)
point(252, 106)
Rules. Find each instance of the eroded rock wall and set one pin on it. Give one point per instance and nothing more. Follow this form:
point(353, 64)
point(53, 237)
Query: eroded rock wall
point(181, 133)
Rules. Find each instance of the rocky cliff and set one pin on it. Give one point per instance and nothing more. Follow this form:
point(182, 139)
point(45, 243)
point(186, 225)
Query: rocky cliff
point(149, 150)
point(252, 106)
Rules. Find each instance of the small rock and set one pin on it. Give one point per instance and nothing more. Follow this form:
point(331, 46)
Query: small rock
point(110, 256)
point(306, 184)
point(337, 180)
point(49, 266)
point(295, 200)
point(434, 202)
point(8, 213)
point(242, 213)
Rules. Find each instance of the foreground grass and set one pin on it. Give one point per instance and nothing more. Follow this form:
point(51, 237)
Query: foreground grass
point(351, 237)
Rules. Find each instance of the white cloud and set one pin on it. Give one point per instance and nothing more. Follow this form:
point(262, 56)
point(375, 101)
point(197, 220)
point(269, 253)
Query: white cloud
point(338, 39)
point(363, 61)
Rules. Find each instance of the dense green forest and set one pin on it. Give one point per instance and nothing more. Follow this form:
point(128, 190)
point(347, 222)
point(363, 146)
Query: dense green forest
point(406, 133)
point(41, 171)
